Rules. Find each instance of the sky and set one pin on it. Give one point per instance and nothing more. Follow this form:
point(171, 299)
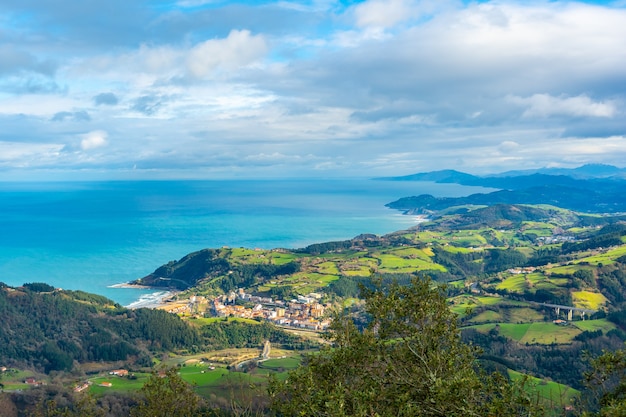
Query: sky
point(155, 89)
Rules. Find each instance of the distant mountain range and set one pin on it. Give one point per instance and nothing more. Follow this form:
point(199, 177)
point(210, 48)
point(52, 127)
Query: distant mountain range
point(582, 172)
point(520, 179)
point(589, 188)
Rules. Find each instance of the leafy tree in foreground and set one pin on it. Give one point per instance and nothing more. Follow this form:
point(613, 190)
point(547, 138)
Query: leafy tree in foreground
point(167, 396)
point(606, 383)
point(409, 361)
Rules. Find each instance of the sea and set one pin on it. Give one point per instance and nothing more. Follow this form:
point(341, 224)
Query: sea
point(96, 236)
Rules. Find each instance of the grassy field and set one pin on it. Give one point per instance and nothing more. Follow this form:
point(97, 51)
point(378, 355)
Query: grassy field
point(532, 333)
point(328, 268)
point(355, 270)
point(588, 299)
point(606, 258)
point(514, 283)
point(396, 264)
point(523, 315)
point(592, 325)
point(487, 317)
point(285, 363)
point(553, 394)
point(208, 373)
point(118, 384)
point(461, 303)
point(202, 376)
point(547, 333)
point(465, 238)
point(512, 331)
point(564, 269)
point(13, 379)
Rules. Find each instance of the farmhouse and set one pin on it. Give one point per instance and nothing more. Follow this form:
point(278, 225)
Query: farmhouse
point(119, 372)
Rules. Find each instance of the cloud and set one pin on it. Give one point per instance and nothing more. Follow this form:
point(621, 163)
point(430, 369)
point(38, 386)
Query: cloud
point(387, 13)
point(354, 88)
point(15, 61)
point(508, 146)
point(25, 155)
point(169, 64)
point(383, 13)
point(239, 49)
point(108, 99)
point(30, 84)
point(79, 116)
point(147, 105)
point(545, 105)
point(93, 140)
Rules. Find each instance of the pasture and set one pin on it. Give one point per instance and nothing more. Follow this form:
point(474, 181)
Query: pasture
point(396, 264)
point(118, 384)
point(487, 316)
point(461, 303)
point(514, 283)
point(588, 299)
point(532, 333)
point(593, 325)
point(552, 393)
point(548, 333)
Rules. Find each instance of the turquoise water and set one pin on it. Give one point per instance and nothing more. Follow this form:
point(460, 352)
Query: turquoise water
point(93, 235)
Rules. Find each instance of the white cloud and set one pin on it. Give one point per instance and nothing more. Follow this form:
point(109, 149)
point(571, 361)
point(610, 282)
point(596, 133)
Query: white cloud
point(545, 105)
point(508, 146)
point(383, 13)
point(93, 140)
point(239, 49)
point(25, 155)
point(431, 83)
point(388, 13)
point(151, 65)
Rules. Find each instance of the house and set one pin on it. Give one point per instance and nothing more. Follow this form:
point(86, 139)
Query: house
point(105, 384)
point(82, 387)
point(119, 372)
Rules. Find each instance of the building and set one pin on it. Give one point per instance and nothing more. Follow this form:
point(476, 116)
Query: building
point(119, 372)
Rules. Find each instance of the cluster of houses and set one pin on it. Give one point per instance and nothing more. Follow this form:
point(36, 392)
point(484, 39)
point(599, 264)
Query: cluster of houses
point(190, 306)
point(524, 270)
point(305, 312)
point(548, 240)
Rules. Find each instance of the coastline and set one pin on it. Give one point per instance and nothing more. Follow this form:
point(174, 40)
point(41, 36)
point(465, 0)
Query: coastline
point(132, 286)
point(156, 299)
point(153, 300)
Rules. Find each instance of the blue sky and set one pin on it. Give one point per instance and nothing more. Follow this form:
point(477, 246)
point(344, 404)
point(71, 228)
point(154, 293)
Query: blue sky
point(211, 89)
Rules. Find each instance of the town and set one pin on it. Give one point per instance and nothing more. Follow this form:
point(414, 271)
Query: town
point(304, 312)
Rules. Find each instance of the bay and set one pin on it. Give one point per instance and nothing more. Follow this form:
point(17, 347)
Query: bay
point(91, 236)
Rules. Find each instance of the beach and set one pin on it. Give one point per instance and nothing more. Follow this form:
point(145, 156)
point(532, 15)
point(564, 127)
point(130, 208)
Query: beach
point(153, 300)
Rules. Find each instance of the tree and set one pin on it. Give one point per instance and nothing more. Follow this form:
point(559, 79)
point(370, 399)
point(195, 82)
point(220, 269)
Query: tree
point(408, 361)
point(606, 383)
point(81, 405)
point(167, 395)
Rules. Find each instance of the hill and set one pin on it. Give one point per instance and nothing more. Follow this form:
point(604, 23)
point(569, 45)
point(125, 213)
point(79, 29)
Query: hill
point(589, 189)
point(49, 330)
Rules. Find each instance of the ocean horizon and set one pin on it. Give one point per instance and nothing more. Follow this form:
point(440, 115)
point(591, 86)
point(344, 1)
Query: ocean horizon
point(93, 236)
